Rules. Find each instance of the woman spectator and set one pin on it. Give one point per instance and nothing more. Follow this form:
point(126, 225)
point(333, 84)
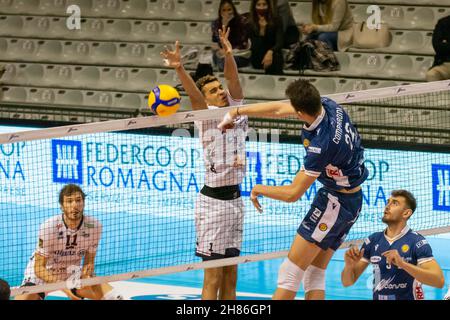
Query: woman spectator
point(332, 23)
point(266, 36)
point(229, 17)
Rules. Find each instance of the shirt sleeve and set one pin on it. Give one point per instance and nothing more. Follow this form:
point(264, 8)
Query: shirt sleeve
point(423, 251)
point(45, 242)
point(339, 8)
point(367, 245)
point(96, 235)
point(315, 160)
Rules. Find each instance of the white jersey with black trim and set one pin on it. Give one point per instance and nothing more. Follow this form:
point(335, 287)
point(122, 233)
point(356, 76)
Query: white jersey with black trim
point(64, 247)
point(224, 152)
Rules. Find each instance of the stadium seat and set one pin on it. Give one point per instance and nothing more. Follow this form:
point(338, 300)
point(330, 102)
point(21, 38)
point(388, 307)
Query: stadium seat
point(11, 25)
point(14, 94)
point(48, 50)
point(117, 29)
point(133, 53)
point(41, 96)
point(69, 97)
point(326, 85)
point(85, 76)
point(103, 51)
point(165, 77)
point(58, 74)
point(362, 64)
point(188, 9)
point(134, 9)
point(146, 79)
point(405, 41)
point(105, 8)
point(130, 101)
point(75, 50)
point(18, 6)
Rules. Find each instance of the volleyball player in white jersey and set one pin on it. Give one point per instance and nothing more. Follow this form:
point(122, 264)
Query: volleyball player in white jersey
point(219, 208)
point(64, 240)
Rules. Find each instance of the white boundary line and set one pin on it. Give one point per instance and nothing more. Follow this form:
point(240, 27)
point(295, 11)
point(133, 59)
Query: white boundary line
point(186, 267)
point(190, 116)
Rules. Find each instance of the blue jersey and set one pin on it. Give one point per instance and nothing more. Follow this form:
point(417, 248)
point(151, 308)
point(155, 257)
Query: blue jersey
point(390, 282)
point(334, 153)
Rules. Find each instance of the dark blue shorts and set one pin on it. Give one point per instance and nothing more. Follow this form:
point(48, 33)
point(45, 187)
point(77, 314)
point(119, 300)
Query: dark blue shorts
point(330, 218)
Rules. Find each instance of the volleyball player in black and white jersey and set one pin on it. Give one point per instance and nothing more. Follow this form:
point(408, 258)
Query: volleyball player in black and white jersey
point(219, 208)
point(67, 242)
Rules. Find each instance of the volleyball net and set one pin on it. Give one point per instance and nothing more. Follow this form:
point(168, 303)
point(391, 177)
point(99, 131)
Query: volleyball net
point(142, 178)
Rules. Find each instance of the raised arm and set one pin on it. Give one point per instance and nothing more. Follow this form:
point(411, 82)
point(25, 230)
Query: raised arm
point(275, 109)
point(173, 59)
point(287, 193)
point(354, 266)
point(230, 68)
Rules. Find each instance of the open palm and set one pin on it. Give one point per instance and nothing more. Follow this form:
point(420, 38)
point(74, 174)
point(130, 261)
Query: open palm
point(172, 58)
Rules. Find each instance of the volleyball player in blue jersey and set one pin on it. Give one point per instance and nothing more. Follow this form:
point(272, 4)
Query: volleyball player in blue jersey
point(335, 157)
point(402, 260)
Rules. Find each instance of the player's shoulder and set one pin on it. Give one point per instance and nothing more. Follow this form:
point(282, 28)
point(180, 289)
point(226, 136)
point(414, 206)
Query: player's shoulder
point(54, 221)
point(417, 238)
point(375, 237)
point(91, 222)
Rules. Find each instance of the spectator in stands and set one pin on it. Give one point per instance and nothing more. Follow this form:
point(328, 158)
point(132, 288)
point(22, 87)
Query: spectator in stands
point(266, 35)
point(332, 23)
point(441, 44)
point(290, 29)
point(5, 290)
point(229, 17)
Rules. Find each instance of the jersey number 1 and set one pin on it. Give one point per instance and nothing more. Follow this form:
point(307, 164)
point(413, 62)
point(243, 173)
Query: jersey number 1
point(71, 244)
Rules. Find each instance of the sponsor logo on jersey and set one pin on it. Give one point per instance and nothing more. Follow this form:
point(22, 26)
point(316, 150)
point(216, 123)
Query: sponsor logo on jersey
point(441, 187)
point(306, 143)
point(405, 248)
point(421, 243)
point(314, 150)
point(376, 247)
point(315, 216)
point(89, 225)
point(85, 234)
point(375, 259)
point(305, 226)
point(387, 284)
point(323, 227)
point(419, 293)
point(67, 161)
point(333, 172)
point(366, 241)
point(60, 235)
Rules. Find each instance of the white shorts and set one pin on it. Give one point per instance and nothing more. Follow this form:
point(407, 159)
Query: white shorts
point(30, 278)
point(218, 225)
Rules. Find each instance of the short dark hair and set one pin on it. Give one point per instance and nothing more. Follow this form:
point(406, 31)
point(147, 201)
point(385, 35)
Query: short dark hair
point(5, 290)
point(205, 80)
point(410, 200)
point(68, 190)
point(304, 97)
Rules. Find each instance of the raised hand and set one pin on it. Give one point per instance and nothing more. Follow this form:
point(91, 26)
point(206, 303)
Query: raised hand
point(172, 58)
point(223, 36)
point(353, 255)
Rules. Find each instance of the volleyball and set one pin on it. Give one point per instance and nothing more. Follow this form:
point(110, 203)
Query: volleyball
point(164, 100)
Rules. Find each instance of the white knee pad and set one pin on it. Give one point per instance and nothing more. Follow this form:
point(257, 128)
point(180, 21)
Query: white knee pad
point(314, 279)
point(290, 276)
